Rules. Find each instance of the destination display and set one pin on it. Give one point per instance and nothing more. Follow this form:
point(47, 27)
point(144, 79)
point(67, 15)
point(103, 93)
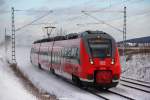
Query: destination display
point(98, 40)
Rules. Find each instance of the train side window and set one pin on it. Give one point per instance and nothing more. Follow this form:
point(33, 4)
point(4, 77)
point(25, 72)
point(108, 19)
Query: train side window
point(57, 56)
point(61, 52)
point(49, 53)
point(60, 56)
point(69, 53)
point(74, 52)
point(65, 52)
point(77, 52)
point(53, 57)
point(55, 60)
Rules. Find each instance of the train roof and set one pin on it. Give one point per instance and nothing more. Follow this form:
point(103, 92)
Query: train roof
point(95, 33)
point(74, 36)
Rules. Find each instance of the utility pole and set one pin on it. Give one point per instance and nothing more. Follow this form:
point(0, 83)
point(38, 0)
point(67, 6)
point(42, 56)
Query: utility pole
point(124, 35)
point(5, 45)
point(13, 37)
point(48, 27)
point(125, 25)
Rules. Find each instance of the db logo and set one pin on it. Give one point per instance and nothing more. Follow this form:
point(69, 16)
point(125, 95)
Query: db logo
point(102, 63)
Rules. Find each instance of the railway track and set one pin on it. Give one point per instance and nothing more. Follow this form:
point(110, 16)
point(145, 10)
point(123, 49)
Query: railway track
point(108, 94)
point(142, 86)
point(111, 93)
point(134, 80)
point(101, 93)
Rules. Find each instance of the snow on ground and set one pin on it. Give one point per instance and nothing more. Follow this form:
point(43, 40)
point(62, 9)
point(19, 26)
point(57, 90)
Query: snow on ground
point(129, 92)
point(138, 67)
point(48, 82)
point(10, 86)
point(64, 90)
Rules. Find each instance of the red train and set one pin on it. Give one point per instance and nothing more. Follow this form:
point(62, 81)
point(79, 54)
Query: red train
point(89, 58)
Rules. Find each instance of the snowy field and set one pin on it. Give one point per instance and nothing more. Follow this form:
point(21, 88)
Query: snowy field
point(138, 67)
point(52, 84)
point(10, 86)
point(64, 90)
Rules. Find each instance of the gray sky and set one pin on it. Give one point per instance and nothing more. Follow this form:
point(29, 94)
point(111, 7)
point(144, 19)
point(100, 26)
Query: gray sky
point(67, 14)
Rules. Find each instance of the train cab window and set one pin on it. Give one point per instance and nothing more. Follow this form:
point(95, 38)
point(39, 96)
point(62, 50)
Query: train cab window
point(100, 48)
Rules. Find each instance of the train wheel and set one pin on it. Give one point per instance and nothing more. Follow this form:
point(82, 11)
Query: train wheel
point(76, 80)
point(52, 70)
point(39, 66)
point(31, 61)
point(106, 88)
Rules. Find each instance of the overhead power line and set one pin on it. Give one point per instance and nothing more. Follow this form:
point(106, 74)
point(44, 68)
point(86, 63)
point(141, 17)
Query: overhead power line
point(30, 10)
point(87, 24)
point(17, 10)
point(43, 23)
point(112, 5)
point(101, 21)
point(34, 20)
point(141, 13)
point(130, 16)
point(137, 14)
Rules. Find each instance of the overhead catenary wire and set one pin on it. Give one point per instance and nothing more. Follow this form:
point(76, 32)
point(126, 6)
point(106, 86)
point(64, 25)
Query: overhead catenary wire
point(44, 23)
point(19, 10)
point(101, 21)
point(112, 5)
point(134, 15)
point(129, 16)
point(30, 10)
point(103, 9)
point(34, 21)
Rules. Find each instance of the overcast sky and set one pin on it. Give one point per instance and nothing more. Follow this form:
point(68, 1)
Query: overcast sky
point(67, 14)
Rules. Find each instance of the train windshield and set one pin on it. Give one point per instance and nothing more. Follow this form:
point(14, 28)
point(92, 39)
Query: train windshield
point(100, 48)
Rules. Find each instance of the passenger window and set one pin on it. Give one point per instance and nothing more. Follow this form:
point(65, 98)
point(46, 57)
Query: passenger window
point(69, 52)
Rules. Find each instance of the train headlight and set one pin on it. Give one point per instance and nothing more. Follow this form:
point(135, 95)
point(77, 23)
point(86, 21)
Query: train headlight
point(113, 61)
point(91, 62)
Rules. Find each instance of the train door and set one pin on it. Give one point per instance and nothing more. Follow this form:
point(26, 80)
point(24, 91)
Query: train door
point(68, 60)
point(49, 57)
point(61, 60)
point(63, 64)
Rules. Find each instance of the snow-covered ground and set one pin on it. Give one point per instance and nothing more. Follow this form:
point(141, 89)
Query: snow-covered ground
point(48, 82)
point(10, 86)
point(138, 67)
point(52, 84)
point(64, 90)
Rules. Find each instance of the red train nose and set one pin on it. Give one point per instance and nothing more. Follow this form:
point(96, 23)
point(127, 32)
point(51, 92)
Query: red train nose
point(103, 77)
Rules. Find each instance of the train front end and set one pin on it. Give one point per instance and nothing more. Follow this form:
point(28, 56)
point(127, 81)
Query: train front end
point(99, 59)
